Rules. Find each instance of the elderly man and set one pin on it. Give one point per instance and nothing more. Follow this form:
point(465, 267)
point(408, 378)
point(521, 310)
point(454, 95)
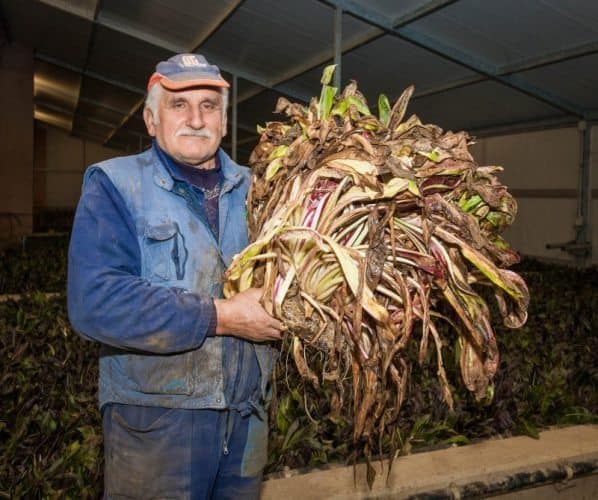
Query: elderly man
point(184, 373)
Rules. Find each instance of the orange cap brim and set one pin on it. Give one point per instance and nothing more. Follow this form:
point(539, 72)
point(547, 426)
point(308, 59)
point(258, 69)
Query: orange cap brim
point(184, 84)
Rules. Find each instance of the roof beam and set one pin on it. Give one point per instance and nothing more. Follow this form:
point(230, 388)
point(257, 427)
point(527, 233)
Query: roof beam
point(85, 72)
point(164, 44)
point(102, 105)
point(426, 9)
point(66, 111)
point(87, 9)
point(106, 124)
point(95, 15)
point(420, 11)
point(525, 126)
point(584, 49)
point(142, 35)
point(110, 125)
point(81, 116)
point(361, 39)
point(177, 49)
point(517, 67)
point(202, 37)
point(126, 29)
point(439, 89)
point(278, 82)
point(352, 43)
point(98, 19)
point(125, 119)
point(456, 56)
point(110, 81)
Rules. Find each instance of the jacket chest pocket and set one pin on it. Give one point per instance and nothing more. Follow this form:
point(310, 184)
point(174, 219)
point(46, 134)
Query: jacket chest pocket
point(165, 252)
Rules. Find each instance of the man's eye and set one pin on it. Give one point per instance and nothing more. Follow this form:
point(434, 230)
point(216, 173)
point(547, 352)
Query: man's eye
point(208, 107)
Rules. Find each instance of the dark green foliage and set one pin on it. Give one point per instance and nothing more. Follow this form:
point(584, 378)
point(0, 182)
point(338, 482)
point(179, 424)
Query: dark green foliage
point(548, 375)
point(50, 432)
point(38, 264)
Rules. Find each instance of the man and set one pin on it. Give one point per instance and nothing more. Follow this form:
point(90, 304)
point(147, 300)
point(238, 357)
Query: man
point(184, 374)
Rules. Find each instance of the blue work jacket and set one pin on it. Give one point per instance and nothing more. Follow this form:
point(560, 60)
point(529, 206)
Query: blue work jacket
point(150, 304)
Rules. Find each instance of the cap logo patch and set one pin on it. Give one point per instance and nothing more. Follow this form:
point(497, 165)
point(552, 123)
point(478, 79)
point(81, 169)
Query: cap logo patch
point(190, 61)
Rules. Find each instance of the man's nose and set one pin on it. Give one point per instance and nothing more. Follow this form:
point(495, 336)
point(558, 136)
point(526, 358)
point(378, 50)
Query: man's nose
point(195, 118)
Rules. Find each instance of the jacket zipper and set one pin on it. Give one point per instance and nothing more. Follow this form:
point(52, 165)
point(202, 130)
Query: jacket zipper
point(226, 432)
point(235, 390)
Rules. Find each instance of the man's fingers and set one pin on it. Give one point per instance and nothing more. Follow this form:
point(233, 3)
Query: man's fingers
point(278, 325)
point(244, 316)
point(274, 329)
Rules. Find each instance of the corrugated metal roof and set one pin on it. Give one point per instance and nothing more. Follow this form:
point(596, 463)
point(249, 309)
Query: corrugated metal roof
point(60, 34)
point(499, 33)
point(271, 37)
point(476, 65)
point(56, 88)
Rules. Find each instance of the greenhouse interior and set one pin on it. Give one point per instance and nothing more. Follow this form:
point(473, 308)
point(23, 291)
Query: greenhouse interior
point(418, 212)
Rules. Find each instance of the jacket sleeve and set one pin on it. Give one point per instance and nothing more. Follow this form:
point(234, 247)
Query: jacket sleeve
point(108, 300)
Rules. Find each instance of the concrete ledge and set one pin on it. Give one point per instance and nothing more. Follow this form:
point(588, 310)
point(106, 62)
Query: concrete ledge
point(491, 467)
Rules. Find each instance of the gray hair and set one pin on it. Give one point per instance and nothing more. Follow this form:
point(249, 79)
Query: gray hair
point(153, 97)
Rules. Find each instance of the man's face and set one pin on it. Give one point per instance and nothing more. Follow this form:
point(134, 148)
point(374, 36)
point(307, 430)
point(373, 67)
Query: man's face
point(190, 125)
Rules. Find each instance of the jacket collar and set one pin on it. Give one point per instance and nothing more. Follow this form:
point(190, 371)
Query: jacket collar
point(163, 175)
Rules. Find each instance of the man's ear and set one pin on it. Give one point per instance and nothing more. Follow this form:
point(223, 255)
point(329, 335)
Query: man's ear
point(148, 118)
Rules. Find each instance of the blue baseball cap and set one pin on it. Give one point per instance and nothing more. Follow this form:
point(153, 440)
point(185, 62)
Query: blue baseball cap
point(186, 70)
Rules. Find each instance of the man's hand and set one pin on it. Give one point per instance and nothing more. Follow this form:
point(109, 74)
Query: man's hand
point(243, 316)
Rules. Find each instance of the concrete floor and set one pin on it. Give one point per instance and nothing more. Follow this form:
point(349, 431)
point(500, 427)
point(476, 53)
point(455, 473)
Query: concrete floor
point(562, 464)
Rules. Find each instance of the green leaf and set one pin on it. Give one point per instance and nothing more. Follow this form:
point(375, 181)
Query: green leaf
point(470, 204)
point(283, 414)
point(273, 167)
point(326, 101)
point(341, 108)
point(430, 155)
point(529, 429)
point(384, 109)
point(578, 415)
point(359, 104)
point(458, 439)
point(419, 425)
point(278, 151)
point(515, 288)
point(294, 435)
point(327, 74)
point(412, 187)
point(296, 396)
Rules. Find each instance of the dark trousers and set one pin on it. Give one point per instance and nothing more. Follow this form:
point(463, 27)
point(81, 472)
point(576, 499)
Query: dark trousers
point(173, 453)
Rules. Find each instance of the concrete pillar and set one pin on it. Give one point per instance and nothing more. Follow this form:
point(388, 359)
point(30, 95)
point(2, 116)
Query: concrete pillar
point(16, 141)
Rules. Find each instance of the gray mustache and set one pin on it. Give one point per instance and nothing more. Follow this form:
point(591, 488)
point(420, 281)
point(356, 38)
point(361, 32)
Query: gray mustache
point(194, 132)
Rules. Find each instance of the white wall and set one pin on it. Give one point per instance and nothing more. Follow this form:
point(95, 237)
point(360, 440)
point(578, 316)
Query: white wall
point(66, 158)
point(541, 169)
point(534, 160)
